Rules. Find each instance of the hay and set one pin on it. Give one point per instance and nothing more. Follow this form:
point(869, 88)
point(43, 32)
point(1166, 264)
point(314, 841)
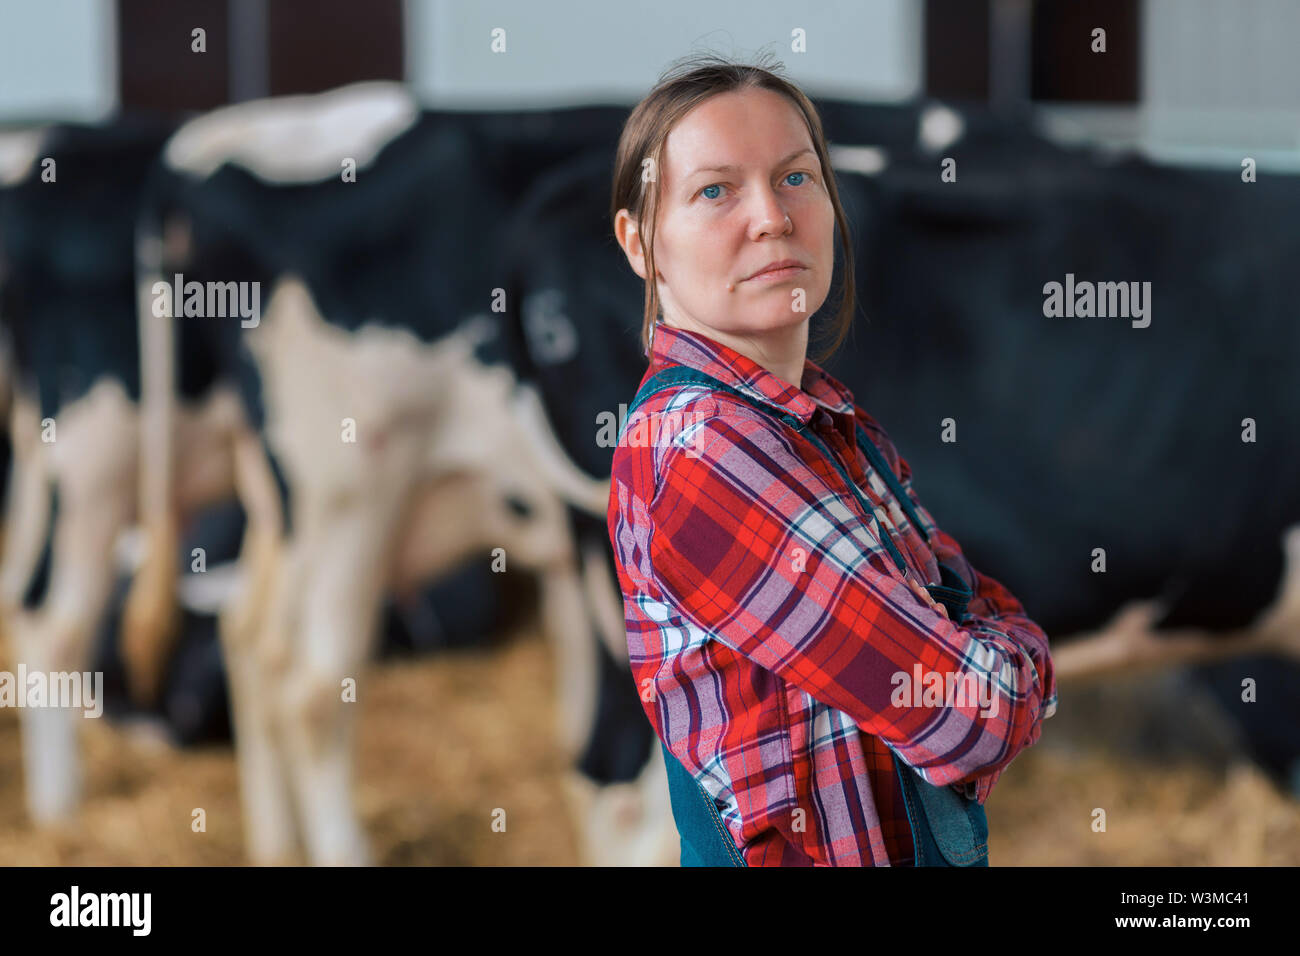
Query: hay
point(446, 740)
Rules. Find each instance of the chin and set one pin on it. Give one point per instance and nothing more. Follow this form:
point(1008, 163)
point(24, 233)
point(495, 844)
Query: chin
point(778, 319)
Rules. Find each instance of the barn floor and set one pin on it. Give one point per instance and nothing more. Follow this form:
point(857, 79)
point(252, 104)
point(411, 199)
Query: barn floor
point(448, 739)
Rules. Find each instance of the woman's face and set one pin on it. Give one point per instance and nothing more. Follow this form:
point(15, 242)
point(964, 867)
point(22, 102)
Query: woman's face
point(718, 227)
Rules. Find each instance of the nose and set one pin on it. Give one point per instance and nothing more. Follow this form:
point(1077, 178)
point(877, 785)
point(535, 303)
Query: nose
point(769, 216)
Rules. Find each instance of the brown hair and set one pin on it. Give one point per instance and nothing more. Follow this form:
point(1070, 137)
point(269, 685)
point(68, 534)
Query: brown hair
point(681, 88)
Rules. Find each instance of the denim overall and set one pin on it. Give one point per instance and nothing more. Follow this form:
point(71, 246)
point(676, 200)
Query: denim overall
point(948, 829)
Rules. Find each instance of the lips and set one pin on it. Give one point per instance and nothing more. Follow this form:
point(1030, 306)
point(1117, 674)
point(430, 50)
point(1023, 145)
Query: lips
point(778, 269)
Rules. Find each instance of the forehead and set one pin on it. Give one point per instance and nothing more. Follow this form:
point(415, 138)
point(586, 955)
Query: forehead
point(741, 128)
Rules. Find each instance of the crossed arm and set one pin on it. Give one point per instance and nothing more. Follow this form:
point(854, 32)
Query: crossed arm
point(756, 548)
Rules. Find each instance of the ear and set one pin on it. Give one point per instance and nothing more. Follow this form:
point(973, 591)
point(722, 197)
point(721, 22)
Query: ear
point(629, 237)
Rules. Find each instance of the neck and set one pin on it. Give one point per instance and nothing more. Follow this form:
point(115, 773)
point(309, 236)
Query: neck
point(780, 351)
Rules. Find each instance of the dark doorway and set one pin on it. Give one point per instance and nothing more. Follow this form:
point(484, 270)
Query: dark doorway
point(252, 49)
point(1013, 52)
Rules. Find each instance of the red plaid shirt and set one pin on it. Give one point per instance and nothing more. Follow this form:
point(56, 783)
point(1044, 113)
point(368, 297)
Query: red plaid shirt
point(768, 626)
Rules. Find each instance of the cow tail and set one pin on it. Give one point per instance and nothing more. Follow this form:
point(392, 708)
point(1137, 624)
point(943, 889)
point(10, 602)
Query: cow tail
point(150, 618)
point(562, 476)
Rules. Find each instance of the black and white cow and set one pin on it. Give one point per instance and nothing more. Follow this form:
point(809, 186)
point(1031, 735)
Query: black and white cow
point(1121, 432)
point(1073, 433)
point(68, 204)
point(68, 317)
point(1134, 434)
point(353, 241)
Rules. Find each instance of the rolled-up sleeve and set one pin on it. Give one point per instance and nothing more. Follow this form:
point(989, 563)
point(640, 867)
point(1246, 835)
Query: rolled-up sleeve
point(754, 547)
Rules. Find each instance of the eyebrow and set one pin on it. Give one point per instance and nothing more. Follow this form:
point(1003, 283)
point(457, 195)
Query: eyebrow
point(732, 169)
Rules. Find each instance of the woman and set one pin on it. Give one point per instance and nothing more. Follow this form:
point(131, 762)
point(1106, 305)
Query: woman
point(832, 682)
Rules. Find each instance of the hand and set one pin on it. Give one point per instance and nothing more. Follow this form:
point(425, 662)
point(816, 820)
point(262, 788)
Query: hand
point(920, 591)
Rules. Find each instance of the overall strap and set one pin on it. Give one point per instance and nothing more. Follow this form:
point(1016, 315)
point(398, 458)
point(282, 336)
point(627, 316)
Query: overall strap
point(877, 459)
point(948, 829)
point(704, 838)
point(672, 375)
point(952, 592)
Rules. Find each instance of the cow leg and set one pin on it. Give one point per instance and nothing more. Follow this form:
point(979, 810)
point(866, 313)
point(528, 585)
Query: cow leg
point(569, 632)
point(1130, 641)
point(48, 736)
point(466, 513)
point(604, 599)
point(27, 512)
point(94, 472)
point(203, 440)
point(625, 824)
point(540, 540)
point(345, 546)
point(621, 824)
point(149, 615)
point(252, 642)
point(628, 823)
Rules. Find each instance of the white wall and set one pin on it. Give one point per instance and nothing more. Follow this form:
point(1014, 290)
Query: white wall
point(598, 51)
point(1220, 80)
point(1222, 77)
point(58, 59)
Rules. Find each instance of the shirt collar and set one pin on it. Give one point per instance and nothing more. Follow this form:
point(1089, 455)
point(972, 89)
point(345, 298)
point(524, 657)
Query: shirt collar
point(673, 346)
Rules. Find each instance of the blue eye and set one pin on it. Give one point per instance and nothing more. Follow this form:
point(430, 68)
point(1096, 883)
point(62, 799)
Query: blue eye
point(704, 191)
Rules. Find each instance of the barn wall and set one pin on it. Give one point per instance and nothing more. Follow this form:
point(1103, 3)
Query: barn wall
point(585, 52)
point(1220, 76)
point(57, 60)
point(1219, 81)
